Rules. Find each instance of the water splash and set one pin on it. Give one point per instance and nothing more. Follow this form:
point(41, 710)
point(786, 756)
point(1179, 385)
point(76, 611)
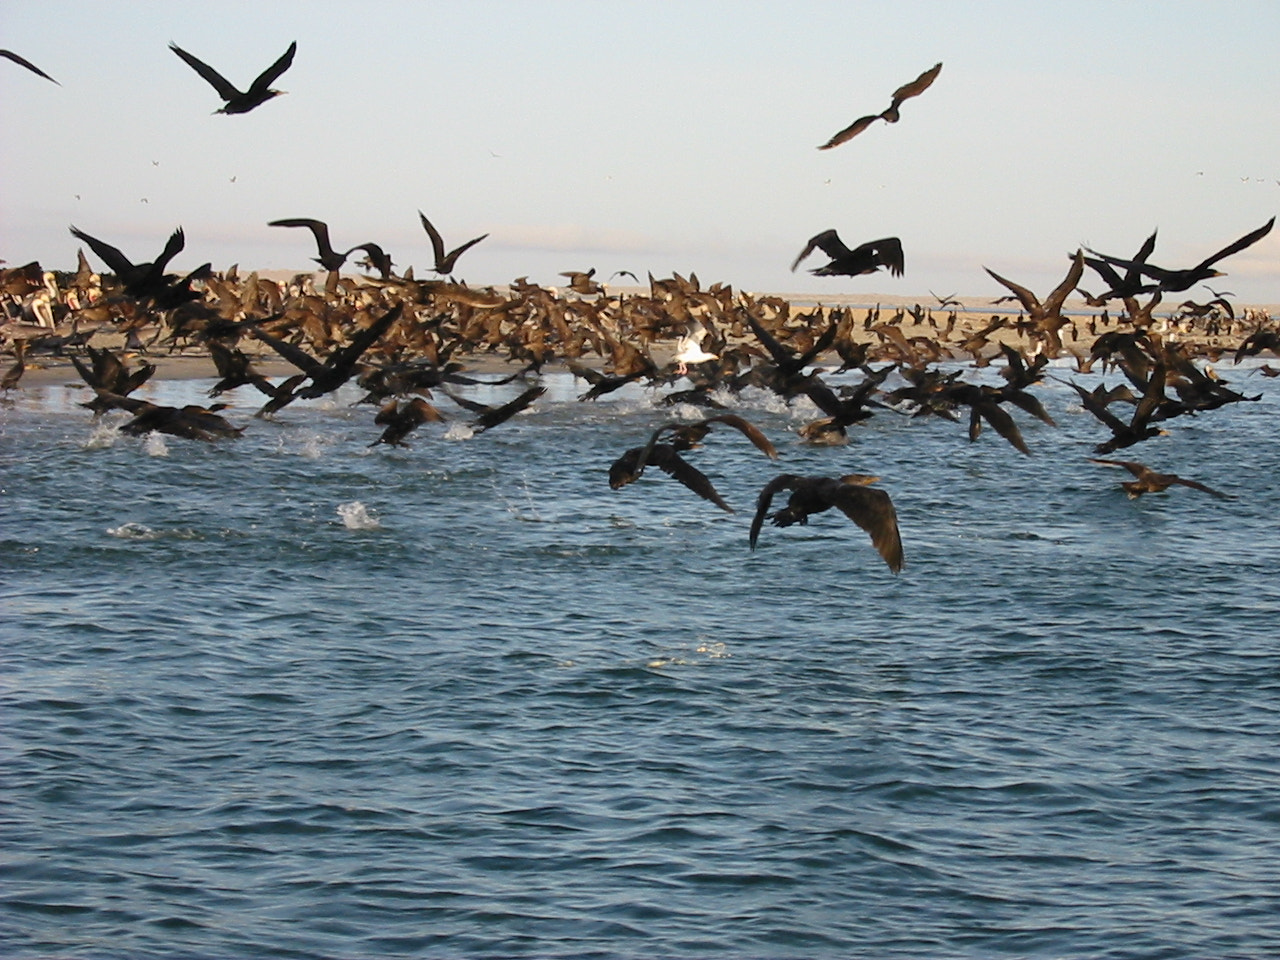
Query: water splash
point(154, 445)
point(132, 531)
point(103, 437)
point(355, 516)
point(459, 431)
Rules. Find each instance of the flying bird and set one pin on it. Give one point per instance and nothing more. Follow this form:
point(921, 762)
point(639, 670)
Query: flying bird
point(329, 258)
point(890, 114)
point(867, 258)
point(259, 91)
point(23, 62)
point(445, 261)
point(142, 279)
point(1149, 481)
point(1175, 281)
point(868, 507)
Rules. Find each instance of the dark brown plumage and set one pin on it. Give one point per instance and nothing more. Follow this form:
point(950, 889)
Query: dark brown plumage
point(890, 114)
point(1178, 280)
point(23, 62)
point(869, 508)
point(403, 417)
point(1149, 481)
point(444, 262)
point(259, 91)
point(867, 258)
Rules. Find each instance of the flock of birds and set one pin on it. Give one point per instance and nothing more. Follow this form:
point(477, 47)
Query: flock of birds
point(401, 339)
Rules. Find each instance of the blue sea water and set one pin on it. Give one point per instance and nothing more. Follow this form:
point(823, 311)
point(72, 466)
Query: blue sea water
point(293, 696)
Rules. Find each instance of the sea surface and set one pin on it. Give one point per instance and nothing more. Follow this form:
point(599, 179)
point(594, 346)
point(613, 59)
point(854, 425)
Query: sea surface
point(290, 695)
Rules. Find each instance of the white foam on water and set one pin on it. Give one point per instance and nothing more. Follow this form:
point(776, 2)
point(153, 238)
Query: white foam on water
point(459, 431)
point(154, 445)
point(356, 516)
point(103, 437)
point(132, 531)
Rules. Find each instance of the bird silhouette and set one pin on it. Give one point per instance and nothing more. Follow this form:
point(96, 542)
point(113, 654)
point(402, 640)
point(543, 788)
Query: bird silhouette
point(142, 280)
point(666, 456)
point(259, 91)
point(870, 508)
point(866, 258)
point(23, 62)
point(339, 367)
point(1149, 481)
point(445, 261)
point(890, 114)
point(403, 417)
point(1174, 281)
point(329, 258)
point(491, 416)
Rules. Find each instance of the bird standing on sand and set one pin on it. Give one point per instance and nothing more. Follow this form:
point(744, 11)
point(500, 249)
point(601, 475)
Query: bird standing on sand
point(867, 258)
point(890, 115)
point(869, 508)
point(259, 91)
point(1149, 481)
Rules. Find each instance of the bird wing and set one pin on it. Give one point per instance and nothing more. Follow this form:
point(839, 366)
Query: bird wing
point(108, 254)
point(219, 83)
point(1137, 469)
point(872, 510)
point(437, 242)
point(1056, 299)
point(828, 241)
point(1247, 240)
point(23, 62)
point(1196, 485)
point(319, 229)
point(851, 131)
point(294, 354)
point(1028, 299)
point(452, 257)
point(362, 341)
point(1002, 423)
point(748, 430)
point(269, 75)
point(784, 481)
point(1099, 410)
point(916, 87)
point(664, 457)
point(496, 415)
point(886, 252)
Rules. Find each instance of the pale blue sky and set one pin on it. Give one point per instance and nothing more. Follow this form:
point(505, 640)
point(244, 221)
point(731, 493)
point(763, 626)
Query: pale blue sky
point(653, 136)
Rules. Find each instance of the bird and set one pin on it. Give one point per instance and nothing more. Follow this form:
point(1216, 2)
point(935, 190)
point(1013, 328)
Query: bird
point(870, 508)
point(1149, 481)
point(403, 417)
point(890, 114)
point(143, 279)
point(1047, 316)
point(866, 258)
point(491, 416)
point(24, 62)
point(445, 261)
point(259, 91)
point(689, 350)
point(329, 258)
point(629, 467)
point(1175, 281)
point(9, 380)
point(339, 367)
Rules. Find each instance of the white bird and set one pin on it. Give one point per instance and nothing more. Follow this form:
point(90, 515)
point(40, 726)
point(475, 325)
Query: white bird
point(689, 350)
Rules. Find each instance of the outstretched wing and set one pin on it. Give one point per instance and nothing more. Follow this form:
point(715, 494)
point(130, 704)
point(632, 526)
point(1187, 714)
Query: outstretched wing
point(664, 457)
point(216, 80)
point(1030, 302)
point(748, 430)
point(828, 241)
point(108, 254)
point(784, 481)
point(849, 132)
point(269, 75)
point(872, 510)
point(437, 242)
point(1247, 240)
point(23, 62)
point(886, 252)
point(916, 87)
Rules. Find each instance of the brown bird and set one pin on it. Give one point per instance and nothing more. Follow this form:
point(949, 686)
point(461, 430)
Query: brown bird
point(445, 261)
point(23, 62)
point(11, 376)
point(1047, 316)
point(1149, 481)
point(329, 258)
point(866, 258)
point(1175, 281)
point(403, 417)
point(259, 91)
point(890, 114)
point(869, 508)
point(491, 416)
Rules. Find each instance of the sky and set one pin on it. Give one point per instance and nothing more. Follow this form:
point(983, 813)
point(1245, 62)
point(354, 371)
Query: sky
point(653, 136)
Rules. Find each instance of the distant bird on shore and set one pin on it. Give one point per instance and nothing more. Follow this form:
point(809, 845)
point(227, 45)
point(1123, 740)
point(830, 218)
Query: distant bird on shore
point(1149, 481)
point(869, 508)
point(867, 258)
point(1175, 281)
point(444, 262)
point(890, 114)
point(23, 62)
point(259, 91)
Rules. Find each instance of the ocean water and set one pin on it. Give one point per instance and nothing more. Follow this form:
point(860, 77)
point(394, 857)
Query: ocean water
point(293, 696)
